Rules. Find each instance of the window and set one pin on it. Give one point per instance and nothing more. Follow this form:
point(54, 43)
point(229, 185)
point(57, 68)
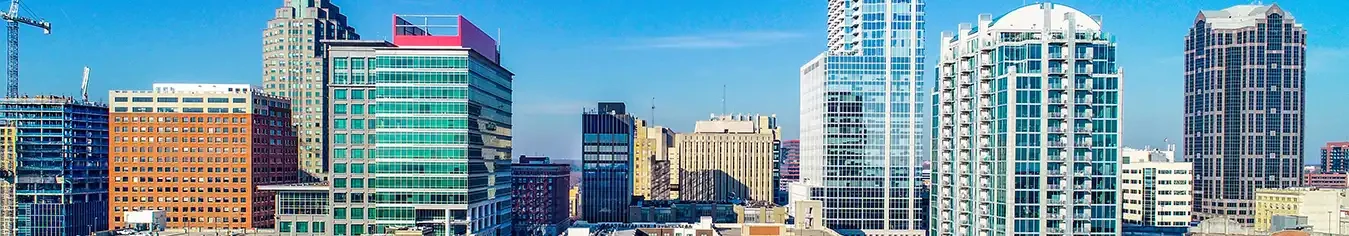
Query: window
point(142, 99)
point(119, 99)
point(192, 100)
point(217, 100)
point(340, 109)
point(339, 123)
point(340, 94)
point(240, 100)
point(166, 99)
point(285, 226)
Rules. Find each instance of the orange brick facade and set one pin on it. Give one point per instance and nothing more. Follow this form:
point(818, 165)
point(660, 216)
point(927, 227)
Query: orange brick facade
point(202, 169)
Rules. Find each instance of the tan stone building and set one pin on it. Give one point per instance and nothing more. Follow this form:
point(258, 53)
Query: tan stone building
point(651, 162)
point(292, 67)
point(728, 157)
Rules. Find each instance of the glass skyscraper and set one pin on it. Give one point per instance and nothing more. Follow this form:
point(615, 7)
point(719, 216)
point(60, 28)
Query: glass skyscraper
point(862, 119)
point(606, 163)
point(1244, 79)
point(420, 130)
point(1026, 136)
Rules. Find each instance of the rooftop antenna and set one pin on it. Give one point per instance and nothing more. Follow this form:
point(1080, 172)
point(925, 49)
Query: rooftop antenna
point(84, 85)
point(653, 111)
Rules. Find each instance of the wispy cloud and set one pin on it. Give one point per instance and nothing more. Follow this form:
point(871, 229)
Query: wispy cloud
point(714, 40)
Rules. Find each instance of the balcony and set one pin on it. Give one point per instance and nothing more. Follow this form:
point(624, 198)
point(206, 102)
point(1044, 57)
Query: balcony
point(1055, 158)
point(1082, 201)
point(1053, 144)
point(1082, 216)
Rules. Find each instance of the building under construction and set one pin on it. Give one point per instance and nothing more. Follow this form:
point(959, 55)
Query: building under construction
point(62, 164)
point(540, 196)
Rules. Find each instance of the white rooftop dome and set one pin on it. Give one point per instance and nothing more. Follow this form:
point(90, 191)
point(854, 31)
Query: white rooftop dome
point(1032, 17)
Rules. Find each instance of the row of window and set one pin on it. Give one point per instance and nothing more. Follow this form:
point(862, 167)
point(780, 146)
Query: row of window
point(403, 168)
point(184, 100)
point(184, 119)
point(180, 199)
point(179, 159)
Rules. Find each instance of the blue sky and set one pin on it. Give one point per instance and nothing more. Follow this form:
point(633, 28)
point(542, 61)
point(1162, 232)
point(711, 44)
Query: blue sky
point(568, 54)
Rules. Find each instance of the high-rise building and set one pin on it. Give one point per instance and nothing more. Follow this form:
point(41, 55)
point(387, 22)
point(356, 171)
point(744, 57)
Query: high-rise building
point(606, 155)
point(1155, 191)
point(435, 149)
point(62, 167)
point(1027, 131)
point(862, 118)
point(651, 168)
point(1335, 157)
point(791, 163)
point(540, 194)
point(8, 162)
point(293, 67)
point(198, 152)
point(1238, 145)
point(729, 158)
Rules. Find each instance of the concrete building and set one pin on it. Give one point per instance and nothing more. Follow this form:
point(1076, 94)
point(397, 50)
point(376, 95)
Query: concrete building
point(862, 117)
point(8, 177)
point(198, 152)
point(574, 200)
point(1326, 180)
point(607, 135)
point(62, 164)
point(293, 67)
point(1156, 191)
point(680, 211)
point(435, 149)
point(1232, 140)
point(651, 161)
point(729, 157)
point(540, 195)
point(1028, 126)
point(1322, 207)
point(1335, 157)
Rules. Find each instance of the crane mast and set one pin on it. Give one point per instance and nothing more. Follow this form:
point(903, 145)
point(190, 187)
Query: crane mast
point(12, 21)
point(84, 85)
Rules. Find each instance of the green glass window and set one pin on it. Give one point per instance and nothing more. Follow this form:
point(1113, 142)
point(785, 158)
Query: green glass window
point(340, 138)
point(421, 77)
point(370, 212)
point(340, 153)
point(421, 62)
point(357, 139)
point(358, 123)
point(357, 213)
point(319, 227)
point(340, 109)
point(285, 226)
point(422, 138)
point(358, 153)
point(358, 78)
point(339, 182)
point(357, 183)
point(339, 229)
point(340, 168)
point(339, 94)
point(301, 227)
point(339, 123)
point(357, 95)
point(357, 229)
point(423, 107)
point(396, 213)
point(341, 78)
point(358, 63)
point(421, 153)
point(357, 168)
point(357, 108)
point(371, 94)
point(422, 123)
point(339, 63)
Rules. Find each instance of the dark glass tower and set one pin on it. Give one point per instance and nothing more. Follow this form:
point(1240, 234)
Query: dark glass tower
point(606, 156)
point(1244, 78)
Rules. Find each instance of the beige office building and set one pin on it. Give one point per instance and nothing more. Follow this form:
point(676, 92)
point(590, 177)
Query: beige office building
point(1322, 207)
point(292, 67)
point(651, 161)
point(728, 156)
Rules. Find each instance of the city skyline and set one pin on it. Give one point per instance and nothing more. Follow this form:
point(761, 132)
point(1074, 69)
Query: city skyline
point(780, 43)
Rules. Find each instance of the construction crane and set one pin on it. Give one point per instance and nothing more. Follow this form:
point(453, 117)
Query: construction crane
point(13, 19)
point(84, 85)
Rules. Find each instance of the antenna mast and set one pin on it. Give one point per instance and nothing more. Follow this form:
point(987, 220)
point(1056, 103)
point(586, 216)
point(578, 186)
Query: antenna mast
point(653, 111)
point(723, 99)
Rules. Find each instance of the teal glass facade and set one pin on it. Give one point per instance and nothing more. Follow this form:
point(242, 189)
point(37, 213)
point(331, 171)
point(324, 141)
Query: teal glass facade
point(419, 137)
point(1026, 132)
